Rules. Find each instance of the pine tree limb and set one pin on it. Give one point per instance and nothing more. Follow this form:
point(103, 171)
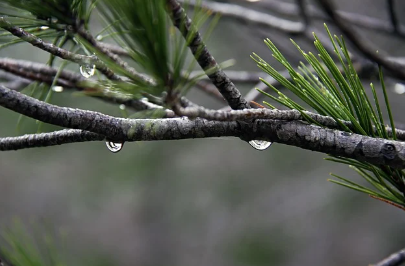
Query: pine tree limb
point(57, 51)
point(395, 259)
point(205, 59)
point(296, 133)
point(48, 139)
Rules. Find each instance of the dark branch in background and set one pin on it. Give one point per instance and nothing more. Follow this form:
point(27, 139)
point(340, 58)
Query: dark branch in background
point(366, 22)
point(303, 12)
point(296, 133)
point(395, 259)
point(393, 16)
point(253, 16)
point(291, 9)
point(396, 68)
point(57, 51)
point(204, 58)
point(70, 80)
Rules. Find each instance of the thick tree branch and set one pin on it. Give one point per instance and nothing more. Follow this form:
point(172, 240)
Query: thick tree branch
point(204, 58)
point(395, 259)
point(48, 139)
point(296, 133)
point(263, 113)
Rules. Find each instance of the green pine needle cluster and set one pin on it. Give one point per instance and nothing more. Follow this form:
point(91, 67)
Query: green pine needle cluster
point(339, 93)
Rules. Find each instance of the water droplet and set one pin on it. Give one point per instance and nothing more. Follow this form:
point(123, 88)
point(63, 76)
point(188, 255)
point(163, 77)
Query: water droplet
point(114, 146)
point(43, 27)
point(399, 88)
point(260, 145)
point(122, 106)
point(57, 88)
point(87, 71)
point(99, 37)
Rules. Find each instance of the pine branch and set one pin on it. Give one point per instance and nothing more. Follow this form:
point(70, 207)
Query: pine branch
point(57, 51)
point(114, 57)
point(262, 113)
point(297, 133)
point(48, 139)
point(204, 58)
point(395, 259)
point(70, 80)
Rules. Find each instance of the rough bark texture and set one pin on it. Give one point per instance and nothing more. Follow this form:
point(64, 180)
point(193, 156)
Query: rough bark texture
point(48, 139)
point(205, 59)
point(296, 133)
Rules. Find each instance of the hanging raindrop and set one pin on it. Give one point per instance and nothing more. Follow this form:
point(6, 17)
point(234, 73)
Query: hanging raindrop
point(114, 146)
point(87, 71)
point(260, 145)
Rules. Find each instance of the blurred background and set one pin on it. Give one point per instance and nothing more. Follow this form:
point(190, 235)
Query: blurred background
point(206, 201)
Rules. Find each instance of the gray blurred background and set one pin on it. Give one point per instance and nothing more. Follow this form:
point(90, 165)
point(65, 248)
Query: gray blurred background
point(202, 202)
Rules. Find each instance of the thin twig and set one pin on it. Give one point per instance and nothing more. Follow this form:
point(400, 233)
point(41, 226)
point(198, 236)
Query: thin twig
point(102, 48)
point(57, 51)
point(204, 58)
point(256, 17)
point(363, 21)
point(393, 16)
point(70, 80)
point(118, 50)
point(395, 259)
point(303, 12)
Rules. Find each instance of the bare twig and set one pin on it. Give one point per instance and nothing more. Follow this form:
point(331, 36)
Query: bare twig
point(303, 12)
point(364, 21)
point(260, 18)
point(393, 16)
point(57, 51)
point(395, 259)
point(118, 50)
point(102, 48)
point(68, 79)
point(205, 59)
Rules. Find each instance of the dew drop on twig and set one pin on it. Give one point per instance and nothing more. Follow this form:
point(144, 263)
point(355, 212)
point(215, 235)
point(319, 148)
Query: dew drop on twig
point(114, 146)
point(260, 145)
point(87, 71)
